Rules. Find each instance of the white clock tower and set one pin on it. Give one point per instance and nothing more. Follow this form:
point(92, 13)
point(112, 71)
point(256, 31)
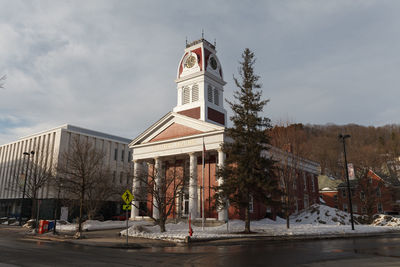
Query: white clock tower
point(200, 84)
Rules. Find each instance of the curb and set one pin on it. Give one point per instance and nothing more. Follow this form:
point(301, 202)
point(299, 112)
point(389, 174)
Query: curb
point(253, 238)
point(229, 240)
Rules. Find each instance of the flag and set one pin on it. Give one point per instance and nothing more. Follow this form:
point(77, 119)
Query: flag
point(204, 154)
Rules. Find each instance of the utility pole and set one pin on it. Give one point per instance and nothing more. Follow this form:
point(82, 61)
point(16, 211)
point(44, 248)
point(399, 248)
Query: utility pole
point(343, 139)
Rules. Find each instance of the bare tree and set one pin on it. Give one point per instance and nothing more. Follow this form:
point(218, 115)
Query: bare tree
point(164, 189)
point(82, 171)
point(289, 138)
point(37, 173)
point(102, 190)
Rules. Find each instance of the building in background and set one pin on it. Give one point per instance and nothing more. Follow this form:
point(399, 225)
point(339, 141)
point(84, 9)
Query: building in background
point(371, 194)
point(47, 147)
point(328, 190)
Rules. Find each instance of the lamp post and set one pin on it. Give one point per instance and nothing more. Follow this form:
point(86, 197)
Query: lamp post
point(23, 191)
point(56, 209)
point(343, 139)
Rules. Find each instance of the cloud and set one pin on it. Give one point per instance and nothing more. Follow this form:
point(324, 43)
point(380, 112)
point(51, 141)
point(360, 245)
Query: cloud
point(111, 65)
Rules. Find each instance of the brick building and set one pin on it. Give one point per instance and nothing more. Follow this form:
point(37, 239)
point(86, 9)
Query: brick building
point(174, 145)
point(371, 194)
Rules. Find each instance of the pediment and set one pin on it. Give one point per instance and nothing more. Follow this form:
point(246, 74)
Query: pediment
point(175, 130)
point(174, 126)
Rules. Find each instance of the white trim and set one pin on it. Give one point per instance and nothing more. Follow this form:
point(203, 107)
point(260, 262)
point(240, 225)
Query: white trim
point(170, 118)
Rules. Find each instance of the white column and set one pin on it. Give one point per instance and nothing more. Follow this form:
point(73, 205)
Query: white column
point(223, 212)
point(193, 196)
point(137, 175)
point(157, 181)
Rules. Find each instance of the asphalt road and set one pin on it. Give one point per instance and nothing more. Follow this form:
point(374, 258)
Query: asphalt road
point(367, 251)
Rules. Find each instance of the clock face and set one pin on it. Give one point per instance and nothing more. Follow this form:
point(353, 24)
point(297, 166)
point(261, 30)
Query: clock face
point(213, 63)
point(190, 61)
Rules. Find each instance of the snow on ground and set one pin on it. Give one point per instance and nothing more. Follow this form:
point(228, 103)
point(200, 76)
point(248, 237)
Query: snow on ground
point(317, 220)
point(320, 214)
point(91, 225)
point(386, 220)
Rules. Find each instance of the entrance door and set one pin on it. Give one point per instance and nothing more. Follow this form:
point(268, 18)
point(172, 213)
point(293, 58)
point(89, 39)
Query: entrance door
point(183, 207)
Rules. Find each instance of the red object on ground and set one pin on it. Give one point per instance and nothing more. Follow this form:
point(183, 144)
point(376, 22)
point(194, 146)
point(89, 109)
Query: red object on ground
point(190, 227)
point(43, 226)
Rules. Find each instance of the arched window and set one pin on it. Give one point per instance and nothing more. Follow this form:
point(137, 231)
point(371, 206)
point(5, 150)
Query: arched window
point(185, 95)
point(216, 97)
point(210, 94)
point(195, 92)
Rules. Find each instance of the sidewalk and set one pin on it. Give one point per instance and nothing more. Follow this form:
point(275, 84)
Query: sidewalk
point(111, 239)
point(101, 238)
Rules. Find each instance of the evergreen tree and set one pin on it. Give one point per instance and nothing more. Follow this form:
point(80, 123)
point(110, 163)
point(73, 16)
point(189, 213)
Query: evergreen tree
point(248, 171)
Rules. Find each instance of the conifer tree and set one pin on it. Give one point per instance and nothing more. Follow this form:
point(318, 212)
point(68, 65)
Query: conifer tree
point(248, 170)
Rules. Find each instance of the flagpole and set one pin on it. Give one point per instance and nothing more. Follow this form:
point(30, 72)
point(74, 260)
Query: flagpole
point(202, 199)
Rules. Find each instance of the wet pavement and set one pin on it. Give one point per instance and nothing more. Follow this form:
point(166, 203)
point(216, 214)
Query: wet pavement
point(15, 250)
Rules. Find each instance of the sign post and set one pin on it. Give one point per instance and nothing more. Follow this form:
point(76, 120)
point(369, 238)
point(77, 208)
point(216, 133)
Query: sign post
point(127, 197)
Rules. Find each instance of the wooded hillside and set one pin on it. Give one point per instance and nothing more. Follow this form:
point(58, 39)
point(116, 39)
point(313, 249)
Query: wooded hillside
point(368, 147)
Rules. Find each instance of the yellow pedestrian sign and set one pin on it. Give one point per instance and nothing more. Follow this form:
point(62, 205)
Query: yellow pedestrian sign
point(126, 207)
point(127, 197)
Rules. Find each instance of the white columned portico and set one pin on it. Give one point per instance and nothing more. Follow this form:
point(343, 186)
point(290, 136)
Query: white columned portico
point(137, 175)
point(193, 198)
point(157, 181)
point(223, 212)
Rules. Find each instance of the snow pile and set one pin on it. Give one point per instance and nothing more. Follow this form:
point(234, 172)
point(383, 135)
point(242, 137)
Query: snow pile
point(91, 225)
point(321, 214)
point(386, 220)
point(317, 221)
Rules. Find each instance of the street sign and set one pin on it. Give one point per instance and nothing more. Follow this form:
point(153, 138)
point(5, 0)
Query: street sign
point(126, 207)
point(127, 197)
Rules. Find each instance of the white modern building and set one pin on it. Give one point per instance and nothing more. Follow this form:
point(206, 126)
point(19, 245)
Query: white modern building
point(47, 146)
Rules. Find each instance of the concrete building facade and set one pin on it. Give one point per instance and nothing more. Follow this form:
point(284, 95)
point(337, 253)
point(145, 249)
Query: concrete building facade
point(47, 147)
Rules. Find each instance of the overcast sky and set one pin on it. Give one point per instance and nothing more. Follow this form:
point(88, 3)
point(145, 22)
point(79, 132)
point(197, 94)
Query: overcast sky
point(110, 65)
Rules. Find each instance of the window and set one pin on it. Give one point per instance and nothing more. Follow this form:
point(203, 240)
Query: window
point(363, 210)
point(345, 207)
point(216, 97)
point(251, 207)
point(355, 208)
point(129, 156)
point(185, 95)
point(122, 155)
point(305, 181)
point(313, 184)
point(116, 154)
point(362, 195)
point(121, 176)
point(305, 201)
point(378, 192)
point(195, 93)
point(344, 193)
point(335, 198)
point(114, 176)
point(210, 94)
point(380, 209)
